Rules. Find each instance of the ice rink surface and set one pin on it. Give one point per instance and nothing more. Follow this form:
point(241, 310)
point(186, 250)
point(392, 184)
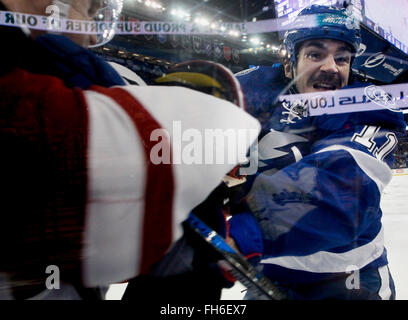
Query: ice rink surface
point(395, 219)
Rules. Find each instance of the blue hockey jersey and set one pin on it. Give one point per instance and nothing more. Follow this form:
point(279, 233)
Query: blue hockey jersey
point(316, 194)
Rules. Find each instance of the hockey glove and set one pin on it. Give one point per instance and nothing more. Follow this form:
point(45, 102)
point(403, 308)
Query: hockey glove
point(247, 235)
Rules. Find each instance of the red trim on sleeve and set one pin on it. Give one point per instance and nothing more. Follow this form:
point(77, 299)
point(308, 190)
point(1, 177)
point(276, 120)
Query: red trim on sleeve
point(228, 276)
point(255, 254)
point(159, 190)
point(44, 134)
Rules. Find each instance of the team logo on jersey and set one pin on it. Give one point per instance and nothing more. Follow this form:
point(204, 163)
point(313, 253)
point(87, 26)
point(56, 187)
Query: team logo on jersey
point(361, 49)
point(294, 111)
point(285, 197)
point(375, 60)
point(380, 97)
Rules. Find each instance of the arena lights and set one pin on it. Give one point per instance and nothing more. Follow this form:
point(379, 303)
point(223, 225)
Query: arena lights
point(154, 5)
point(202, 21)
point(283, 53)
point(213, 26)
point(263, 48)
point(181, 14)
point(234, 33)
point(255, 41)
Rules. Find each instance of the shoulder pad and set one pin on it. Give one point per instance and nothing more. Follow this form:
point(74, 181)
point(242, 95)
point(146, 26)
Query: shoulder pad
point(261, 85)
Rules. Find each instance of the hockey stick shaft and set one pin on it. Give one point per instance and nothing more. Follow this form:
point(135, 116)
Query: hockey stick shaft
point(235, 263)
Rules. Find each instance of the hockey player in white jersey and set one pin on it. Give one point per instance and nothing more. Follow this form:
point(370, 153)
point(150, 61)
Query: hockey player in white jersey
point(82, 194)
point(316, 195)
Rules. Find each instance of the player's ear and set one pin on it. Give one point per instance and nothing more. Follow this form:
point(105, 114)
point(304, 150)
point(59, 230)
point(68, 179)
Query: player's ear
point(287, 68)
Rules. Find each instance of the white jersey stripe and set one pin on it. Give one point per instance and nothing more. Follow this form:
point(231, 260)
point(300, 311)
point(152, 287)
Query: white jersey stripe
point(385, 290)
point(324, 261)
point(377, 170)
point(329, 262)
point(117, 172)
point(297, 153)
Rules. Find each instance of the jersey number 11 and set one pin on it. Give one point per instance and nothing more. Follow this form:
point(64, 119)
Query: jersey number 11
point(366, 138)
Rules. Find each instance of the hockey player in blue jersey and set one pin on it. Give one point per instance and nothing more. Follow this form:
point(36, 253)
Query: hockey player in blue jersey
point(313, 207)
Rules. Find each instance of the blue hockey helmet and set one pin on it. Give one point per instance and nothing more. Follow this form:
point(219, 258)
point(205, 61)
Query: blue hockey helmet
point(328, 23)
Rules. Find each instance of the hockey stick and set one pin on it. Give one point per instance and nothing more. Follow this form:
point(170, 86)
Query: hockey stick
point(235, 263)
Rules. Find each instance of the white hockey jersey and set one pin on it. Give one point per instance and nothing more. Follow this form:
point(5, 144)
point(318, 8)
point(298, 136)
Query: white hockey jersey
point(89, 185)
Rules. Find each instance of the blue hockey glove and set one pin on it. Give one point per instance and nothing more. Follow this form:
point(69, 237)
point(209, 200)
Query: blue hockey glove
point(247, 234)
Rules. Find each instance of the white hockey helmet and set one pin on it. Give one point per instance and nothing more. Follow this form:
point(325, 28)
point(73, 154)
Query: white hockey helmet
point(107, 11)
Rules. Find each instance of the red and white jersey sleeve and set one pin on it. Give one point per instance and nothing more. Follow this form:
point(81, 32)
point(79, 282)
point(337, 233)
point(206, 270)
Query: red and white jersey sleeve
point(106, 209)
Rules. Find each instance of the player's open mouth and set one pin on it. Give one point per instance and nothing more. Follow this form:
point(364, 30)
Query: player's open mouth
point(324, 86)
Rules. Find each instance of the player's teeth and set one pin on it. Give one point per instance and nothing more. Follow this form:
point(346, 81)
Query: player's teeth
point(324, 86)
